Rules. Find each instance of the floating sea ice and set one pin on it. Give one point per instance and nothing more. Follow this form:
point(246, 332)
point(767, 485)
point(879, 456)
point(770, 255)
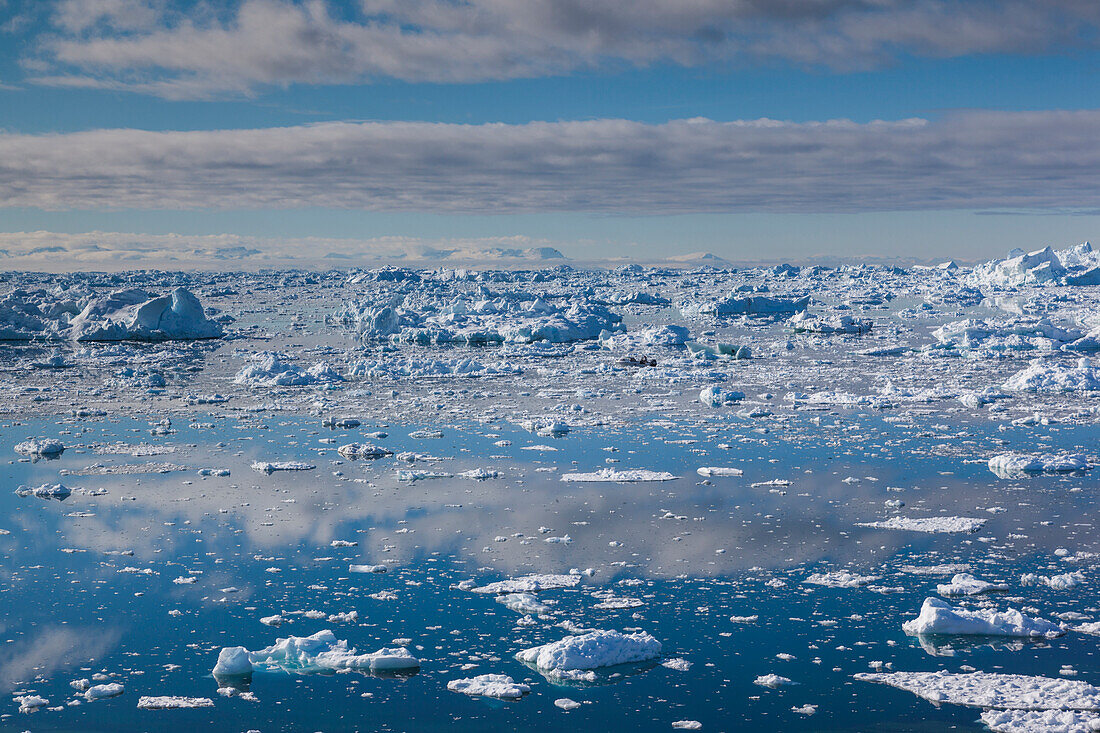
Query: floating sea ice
point(490, 685)
point(566, 704)
point(366, 568)
point(929, 524)
point(525, 603)
point(46, 491)
point(937, 617)
point(1046, 377)
point(772, 680)
point(716, 397)
point(40, 447)
point(323, 651)
point(610, 475)
point(213, 471)
point(717, 350)
point(363, 450)
point(718, 471)
point(1015, 465)
point(99, 692)
point(840, 579)
point(804, 322)
point(964, 584)
point(529, 584)
point(479, 474)
point(268, 369)
point(136, 315)
point(1041, 721)
point(573, 657)
point(172, 702)
point(992, 690)
point(1057, 582)
point(687, 725)
point(272, 466)
point(29, 703)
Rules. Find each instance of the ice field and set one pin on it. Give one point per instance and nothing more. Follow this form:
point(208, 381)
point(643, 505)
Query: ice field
point(844, 499)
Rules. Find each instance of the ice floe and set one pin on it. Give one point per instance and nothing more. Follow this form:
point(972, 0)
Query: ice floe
point(937, 617)
point(574, 657)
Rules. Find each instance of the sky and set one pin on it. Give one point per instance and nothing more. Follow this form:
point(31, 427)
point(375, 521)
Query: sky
point(272, 131)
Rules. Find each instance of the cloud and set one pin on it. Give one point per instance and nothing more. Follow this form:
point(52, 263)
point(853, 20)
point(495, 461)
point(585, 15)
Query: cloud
point(973, 160)
point(52, 648)
point(177, 49)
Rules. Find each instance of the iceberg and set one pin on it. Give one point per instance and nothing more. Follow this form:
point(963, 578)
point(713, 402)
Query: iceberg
point(575, 656)
point(937, 617)
point(490, 685)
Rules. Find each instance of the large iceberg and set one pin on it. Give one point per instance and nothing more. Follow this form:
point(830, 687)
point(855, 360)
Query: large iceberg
point(136, 315)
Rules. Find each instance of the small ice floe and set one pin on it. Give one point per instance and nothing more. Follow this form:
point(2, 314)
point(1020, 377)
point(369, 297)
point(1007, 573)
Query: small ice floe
point(355, 451)
point(841, 579)
point(938, 617)
point(1041, 721)
point(340, 422)
point(479, 474)
point(59, 492)
point(992, 690)
point(718, 471)
point(610, 475)
point(173, 702)
point(678, 664)
point(574, 657)
point(687, 725)
point(525, 603)
point(717, 350)
point(45, 447)
point(772, 680)
point(566, 704)
point(1015, 465)
point(274, 621)
point(213, 471)
point(321, 652)
point(366, 568)
point(273, 466)
point(100, 692)
point(1064, 581)
point(805, 322)
point(417, 475)
point(944, 569)
point(964, 584)
point(933, 525)
point(529, 584)
point(490, 685)
point(806, 709)
point(716, 397)
point(30, 703)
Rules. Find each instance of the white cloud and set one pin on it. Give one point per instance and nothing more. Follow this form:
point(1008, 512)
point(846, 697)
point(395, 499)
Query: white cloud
point(187, 50)
point(963, 161)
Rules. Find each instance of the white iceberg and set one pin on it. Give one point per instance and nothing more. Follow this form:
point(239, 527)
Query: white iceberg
point(490, 685)
point(937, 617)
point(575, 656)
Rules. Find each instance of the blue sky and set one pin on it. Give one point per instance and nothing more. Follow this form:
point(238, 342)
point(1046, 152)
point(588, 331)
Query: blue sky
point(993, 162)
